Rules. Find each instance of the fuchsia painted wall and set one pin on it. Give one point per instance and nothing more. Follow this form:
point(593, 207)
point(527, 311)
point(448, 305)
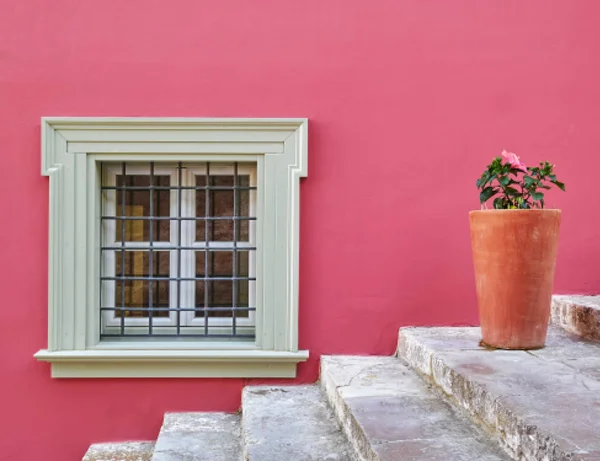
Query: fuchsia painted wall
point(408, 100)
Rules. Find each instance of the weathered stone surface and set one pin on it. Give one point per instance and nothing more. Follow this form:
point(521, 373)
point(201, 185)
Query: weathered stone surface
point(578, 314)
point(573, 351)
point(389, 413)
point(286, 423)
point(199, 437)
point(543, 405)
point(122, 451)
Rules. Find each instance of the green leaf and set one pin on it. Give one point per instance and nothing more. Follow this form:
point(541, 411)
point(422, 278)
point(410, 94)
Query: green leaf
point(504, 180)
point(512, 191)
point(487, 193)
point(499, 203)
point(559, 184)
point(524, 205)
point(537, 196)
point(528, 181)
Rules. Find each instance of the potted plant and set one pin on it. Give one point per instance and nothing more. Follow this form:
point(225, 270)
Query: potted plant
point(514, 252)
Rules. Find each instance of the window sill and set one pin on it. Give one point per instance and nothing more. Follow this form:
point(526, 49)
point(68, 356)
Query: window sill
point(160, 363)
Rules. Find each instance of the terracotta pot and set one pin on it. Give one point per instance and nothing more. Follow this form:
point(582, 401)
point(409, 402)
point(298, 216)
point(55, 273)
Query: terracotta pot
point(514, 253)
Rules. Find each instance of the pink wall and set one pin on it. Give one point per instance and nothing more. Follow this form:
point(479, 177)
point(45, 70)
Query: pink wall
point(408, 101)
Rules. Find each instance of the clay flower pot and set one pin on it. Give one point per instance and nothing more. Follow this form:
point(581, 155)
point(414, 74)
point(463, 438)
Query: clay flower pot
point(514, 254)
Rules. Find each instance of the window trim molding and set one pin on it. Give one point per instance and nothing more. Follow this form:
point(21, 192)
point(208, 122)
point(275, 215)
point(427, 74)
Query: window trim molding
point(71, 149)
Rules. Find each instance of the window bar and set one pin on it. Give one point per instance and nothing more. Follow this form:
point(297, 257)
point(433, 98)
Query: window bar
point(123, 212)
point(175, 218)
point(102, 242)
point(179, 206)
point(164, 188)
point(145, 335)
point(174, 247)
point(183, 279)
point(234, 255)
point(206, 244)
point(154, 243)
point(150, 255)
point(212, 267)
point(184, 309)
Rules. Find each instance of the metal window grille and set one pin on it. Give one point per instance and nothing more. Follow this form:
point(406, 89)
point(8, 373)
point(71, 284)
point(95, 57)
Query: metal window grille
point(178, 250)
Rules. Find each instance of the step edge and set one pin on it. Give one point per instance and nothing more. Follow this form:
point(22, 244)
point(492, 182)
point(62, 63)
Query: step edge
point(353, 431)
point(434, 370)
point(144, 449)
point(313, 387)
point(173, 414)
point(577, 314)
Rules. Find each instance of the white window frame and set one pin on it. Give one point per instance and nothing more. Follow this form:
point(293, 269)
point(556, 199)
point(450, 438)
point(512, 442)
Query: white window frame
point(72, 150)
point(112, 323)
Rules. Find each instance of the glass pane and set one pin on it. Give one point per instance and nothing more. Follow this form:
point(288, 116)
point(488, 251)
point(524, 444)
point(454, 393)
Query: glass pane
point(220, 296)
point(243, 263)
point(244, 209)
point(199, 297)
point(200, 209)
point(220, 264)
point(200, 263)
point(137, 203)
point(221, 205)
point(138, 295)
point(242, 286)
point(220, 292)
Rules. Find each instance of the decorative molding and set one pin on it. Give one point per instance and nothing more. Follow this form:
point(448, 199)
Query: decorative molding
point(174, 135)
point(158, 363)
point(71, 151)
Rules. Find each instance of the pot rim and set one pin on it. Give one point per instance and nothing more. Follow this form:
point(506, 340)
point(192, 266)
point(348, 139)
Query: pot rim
point(529, 211)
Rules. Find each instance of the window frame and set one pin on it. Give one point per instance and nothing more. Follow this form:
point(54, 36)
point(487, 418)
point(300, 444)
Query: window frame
point(72, 149)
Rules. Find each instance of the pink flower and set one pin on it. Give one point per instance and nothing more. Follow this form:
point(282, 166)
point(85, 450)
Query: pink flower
point(513, 160)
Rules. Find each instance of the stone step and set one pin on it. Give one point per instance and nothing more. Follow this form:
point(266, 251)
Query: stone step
point(121, 451)
point(389, 413)
point(291, 423)
point(199, 437)
point(542, 405)
point(578, 314)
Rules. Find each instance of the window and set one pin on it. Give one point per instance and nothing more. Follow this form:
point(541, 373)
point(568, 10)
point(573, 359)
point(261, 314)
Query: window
point(178, 250)
point(173, 248)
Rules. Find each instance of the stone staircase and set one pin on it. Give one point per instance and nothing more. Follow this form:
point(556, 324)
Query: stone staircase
point(579, 315)
point(442, 397)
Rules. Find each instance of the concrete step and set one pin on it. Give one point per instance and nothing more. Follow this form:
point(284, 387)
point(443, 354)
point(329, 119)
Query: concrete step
point(122, 451)
point(542, 405)
point(578, 314)
point(291, 423)
point(199, 437)
point(389, 413)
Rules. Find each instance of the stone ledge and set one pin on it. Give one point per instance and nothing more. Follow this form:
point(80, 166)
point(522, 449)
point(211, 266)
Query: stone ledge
point(578, 314)
point(291, 423)
point(199, 437)
point(542, 405)
point(172, 363)
point(122, 451)
point(388, 413)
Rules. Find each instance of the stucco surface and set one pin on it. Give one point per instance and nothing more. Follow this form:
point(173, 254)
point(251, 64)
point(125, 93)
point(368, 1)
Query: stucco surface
point(407, 102)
